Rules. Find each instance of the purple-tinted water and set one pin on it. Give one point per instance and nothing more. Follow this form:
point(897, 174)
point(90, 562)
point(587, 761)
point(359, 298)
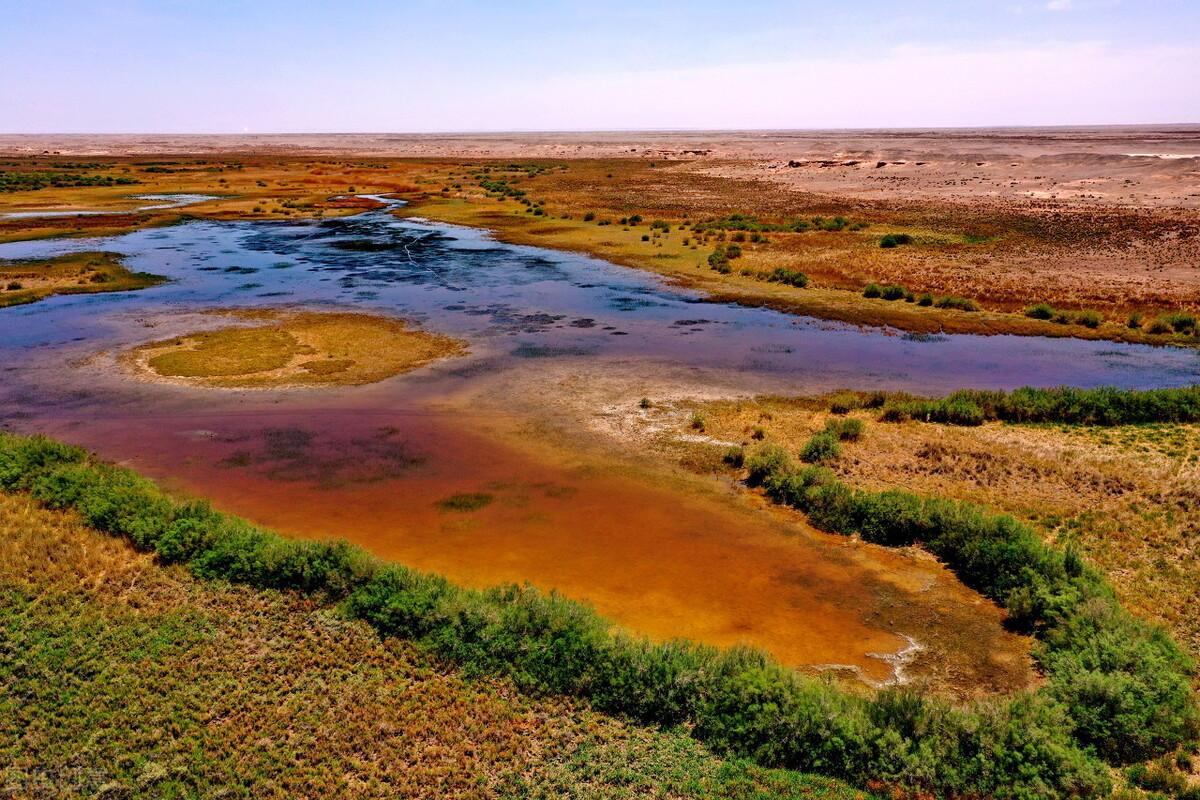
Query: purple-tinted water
point(525, 302)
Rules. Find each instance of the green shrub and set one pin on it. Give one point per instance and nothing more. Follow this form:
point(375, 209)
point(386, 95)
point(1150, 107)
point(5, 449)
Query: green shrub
point(1089, 319)
point(925, 299)
point(956, 409)
point(847, 430)
point(1040, 311)
point(734, 457)
point(957, 303)
point(766, 460)
point(1134, 321)
point(1180, 322)
point(820, 448)
point(789, 276)
point(893, 292)
point(844, 403)
point(873, 290)
point(894, 240)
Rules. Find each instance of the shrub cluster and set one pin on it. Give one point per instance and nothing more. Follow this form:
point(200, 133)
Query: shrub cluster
point(719, 258)
point(897, 292)
point(791, 277)
point(1101, 406)
point(29, 181)
point(749, 223)
point(1087, 318)
point(1117, 688)
point(895, 240)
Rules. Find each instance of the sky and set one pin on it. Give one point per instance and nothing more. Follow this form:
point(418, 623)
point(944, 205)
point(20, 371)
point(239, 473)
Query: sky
point(270, 66)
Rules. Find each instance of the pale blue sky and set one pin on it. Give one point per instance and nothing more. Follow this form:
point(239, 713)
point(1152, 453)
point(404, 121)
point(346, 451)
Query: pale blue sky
point(465, 65)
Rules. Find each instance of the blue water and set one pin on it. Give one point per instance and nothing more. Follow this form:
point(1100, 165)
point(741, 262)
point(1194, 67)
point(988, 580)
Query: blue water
point(527, 302)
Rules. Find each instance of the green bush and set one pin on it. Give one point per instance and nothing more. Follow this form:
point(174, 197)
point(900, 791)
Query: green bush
point(957, 303)
point(1040, 311)
point(895, 240)
point(847, 430)
point(873, 290)
point(953, 410)
point(925, 299)
point(821, 447)
point(791, 277)
point(893, 293)
point(1180, 322)
point(1089, 319)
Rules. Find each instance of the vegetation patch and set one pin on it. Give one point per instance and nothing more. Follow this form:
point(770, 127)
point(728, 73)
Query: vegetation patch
point(15, 181)
point(27, 281)
point(300, 348)
point(1087, 318)
point(897, 292)
point(1118, 689)
point(1100, 406)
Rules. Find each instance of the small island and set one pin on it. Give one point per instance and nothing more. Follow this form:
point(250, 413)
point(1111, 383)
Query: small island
point(291, 348)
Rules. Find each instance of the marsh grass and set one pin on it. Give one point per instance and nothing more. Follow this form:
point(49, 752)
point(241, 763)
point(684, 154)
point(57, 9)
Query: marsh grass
point(1100, 406)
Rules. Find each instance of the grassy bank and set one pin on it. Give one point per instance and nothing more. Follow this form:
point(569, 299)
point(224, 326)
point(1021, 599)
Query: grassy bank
point(24, 282)
point(1118, 690)
point(124, 678)
point(1106, 406)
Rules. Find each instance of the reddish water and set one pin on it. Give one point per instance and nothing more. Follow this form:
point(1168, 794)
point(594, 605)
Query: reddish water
point(666, 558)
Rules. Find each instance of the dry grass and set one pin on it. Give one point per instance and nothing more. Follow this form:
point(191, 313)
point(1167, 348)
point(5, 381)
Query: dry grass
point(121, 678)
point(75, 273)
point(294, 349)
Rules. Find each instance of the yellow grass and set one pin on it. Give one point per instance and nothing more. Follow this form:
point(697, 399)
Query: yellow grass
point(299, 348)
